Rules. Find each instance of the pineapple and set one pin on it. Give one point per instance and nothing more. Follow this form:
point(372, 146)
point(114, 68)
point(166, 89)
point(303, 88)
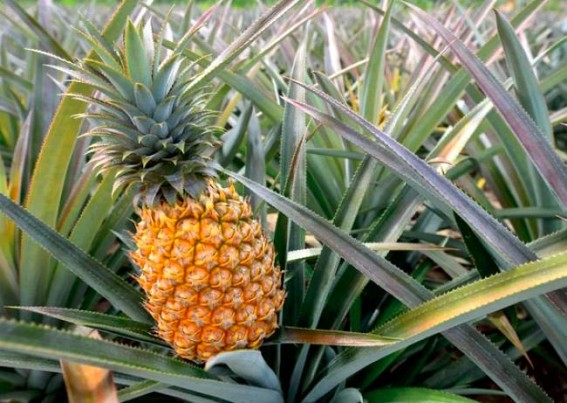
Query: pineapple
point(207, 269)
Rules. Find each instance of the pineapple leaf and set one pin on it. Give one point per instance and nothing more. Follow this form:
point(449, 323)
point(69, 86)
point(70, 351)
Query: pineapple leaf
point(200, 23)
point(82, 235)
point(242, 42)
point(119, 81)
point(15, 79)
point(532, 100)
point(506, 248)
point(370, 102)
point(140, 389)
point(121, 325)
point(526, 83)
point(289, 31)
point(302, 254)
point(293, 171)
point(348, 395)
point(136, 56)
point(106, 55)
point(44, 36)
point(489, 358)
point(482, 297)
point(79, 195)
point(424, 178)
point(232, 139)
point(45, 342)
point(344, 217)
point(460, 306)
point(47, 184)
point(25, 361)
point(248, 365)
point(144, 99)
point(165, 78)
point(122, 295)
point(242, 84)
point(289, 334)
point(410, 395)
point(147, 35)
point(530, 136)
point(103, 43)
point(256, 162)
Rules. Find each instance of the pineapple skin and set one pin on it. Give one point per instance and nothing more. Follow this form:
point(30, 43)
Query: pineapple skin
point(208, 273)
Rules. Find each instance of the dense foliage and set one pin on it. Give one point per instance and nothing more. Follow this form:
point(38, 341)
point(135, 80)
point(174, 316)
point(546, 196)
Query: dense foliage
point(409, 166)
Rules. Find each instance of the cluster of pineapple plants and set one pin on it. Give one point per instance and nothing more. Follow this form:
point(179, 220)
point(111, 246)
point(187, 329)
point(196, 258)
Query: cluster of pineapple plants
point(286, 203)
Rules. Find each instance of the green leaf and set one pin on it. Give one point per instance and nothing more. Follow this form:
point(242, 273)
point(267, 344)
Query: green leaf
point(460, 306)
point(44, 37)
point(139, 389)
point(424, 178)
point(485, 265)
point(242, 42)
point(525, 81)
point(45, 192)
point(83, 234)
point(293, 180)
point(349, 395)
point(290, 30)
point(554, 79)
point(54, 344)
point(119, 81)
point(10, 359)
point(403, 287)
point(532, 99)
point(122, 295)
point(20, 396)
point(411, 395)
point(135, 56)
point(436, 111)
point(256, 162)
point(140, 331)
point(290, 334)
point(530, 136)
point(248, 365)
point(240, 83)
point(507, 249)
point(482, 297)
point(15, 79)
point(371, 99)
point(232, 139)
point(101, 46)
point(350, 204)
point(377, 246)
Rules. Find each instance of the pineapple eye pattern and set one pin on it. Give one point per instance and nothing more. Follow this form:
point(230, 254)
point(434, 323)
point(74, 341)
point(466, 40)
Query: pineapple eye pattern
point(211, 298)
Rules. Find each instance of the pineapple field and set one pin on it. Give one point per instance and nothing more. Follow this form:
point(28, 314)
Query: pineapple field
point(292, 201)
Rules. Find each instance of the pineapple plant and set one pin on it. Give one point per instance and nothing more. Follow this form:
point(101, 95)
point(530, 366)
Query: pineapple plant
point(207, 268)
point(356, 327)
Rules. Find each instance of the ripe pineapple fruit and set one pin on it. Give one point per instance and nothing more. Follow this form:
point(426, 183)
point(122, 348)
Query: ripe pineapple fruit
point(206, 267)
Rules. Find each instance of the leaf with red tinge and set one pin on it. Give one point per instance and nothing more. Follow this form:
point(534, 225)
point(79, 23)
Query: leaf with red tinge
point(289, 334)
point(538, 148)
point(423, 178)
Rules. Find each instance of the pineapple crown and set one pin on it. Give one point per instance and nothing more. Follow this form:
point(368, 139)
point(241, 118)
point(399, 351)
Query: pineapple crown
point(152, 126)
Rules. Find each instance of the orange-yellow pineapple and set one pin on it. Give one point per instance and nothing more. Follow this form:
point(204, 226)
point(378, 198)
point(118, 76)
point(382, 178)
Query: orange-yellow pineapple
point(208, 272)
point(206, 267)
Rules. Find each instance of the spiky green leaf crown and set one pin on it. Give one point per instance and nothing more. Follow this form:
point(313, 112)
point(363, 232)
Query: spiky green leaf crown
point(152, 131)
